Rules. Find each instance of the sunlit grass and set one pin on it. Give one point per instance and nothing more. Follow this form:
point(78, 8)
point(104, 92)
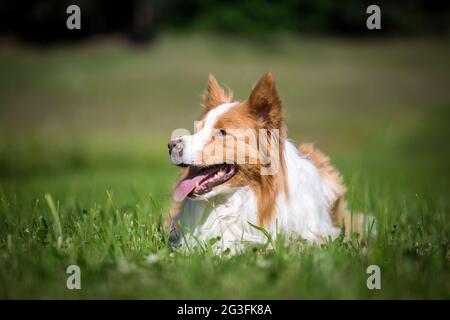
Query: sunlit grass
point(84, 175)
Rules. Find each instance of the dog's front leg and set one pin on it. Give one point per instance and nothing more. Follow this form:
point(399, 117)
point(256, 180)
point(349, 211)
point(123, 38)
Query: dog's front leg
point(171, 223)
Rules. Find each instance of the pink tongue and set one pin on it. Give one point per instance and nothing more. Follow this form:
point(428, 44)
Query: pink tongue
point(186, 186)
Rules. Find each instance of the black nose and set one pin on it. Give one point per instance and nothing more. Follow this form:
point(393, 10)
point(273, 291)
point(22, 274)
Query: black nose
point(172, 144)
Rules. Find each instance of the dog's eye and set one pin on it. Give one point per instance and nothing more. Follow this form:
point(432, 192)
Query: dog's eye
point(222, 132)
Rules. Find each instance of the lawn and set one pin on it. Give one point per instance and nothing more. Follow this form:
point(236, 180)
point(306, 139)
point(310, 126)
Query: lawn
point(85, 178)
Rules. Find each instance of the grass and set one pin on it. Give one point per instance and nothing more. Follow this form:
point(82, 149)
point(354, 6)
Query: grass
point(85, 180)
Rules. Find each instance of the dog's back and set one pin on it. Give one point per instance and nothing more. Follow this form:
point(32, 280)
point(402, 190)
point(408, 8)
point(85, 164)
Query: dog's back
point(334, 190)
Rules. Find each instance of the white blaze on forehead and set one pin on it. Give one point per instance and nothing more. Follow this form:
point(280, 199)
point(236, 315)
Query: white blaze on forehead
point(193, 144)
point(213, 115)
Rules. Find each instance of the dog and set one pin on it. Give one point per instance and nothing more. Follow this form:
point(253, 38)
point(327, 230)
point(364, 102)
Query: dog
point(240, 173)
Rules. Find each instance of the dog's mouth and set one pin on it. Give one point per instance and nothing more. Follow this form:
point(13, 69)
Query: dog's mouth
point(202, 180)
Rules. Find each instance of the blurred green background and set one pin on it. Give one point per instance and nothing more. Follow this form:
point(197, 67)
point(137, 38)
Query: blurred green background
point(86, 117)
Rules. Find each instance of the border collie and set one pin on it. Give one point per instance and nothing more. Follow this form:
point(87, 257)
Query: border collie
point(240, 174)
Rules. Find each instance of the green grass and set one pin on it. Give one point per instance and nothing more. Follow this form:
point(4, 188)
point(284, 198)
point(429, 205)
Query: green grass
point(85, 179)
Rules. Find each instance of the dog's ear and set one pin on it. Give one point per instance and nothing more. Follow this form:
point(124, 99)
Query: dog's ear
point(215, 95)
point(265, 104)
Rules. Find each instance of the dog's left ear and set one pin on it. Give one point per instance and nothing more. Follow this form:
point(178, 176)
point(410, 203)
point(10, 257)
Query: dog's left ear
point(265, 104)
point(215, 95)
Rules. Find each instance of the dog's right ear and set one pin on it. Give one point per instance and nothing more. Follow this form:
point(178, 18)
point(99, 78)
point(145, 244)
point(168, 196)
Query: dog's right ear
point(215, 95)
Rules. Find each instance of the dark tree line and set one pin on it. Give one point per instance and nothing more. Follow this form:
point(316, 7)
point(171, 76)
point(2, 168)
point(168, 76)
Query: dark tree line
point(140, 20)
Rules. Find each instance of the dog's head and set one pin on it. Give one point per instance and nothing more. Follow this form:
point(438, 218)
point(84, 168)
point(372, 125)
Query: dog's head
point(235, 143)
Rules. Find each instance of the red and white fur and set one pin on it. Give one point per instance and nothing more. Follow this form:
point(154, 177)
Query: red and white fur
point(305, 198)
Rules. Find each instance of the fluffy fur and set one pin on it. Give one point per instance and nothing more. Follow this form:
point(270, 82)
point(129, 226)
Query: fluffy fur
point(305, 198)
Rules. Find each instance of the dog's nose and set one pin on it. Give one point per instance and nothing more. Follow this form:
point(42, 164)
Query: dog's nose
point(172, 144)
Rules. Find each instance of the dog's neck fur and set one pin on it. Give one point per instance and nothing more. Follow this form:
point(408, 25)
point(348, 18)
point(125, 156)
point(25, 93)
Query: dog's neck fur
point(301, 210)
